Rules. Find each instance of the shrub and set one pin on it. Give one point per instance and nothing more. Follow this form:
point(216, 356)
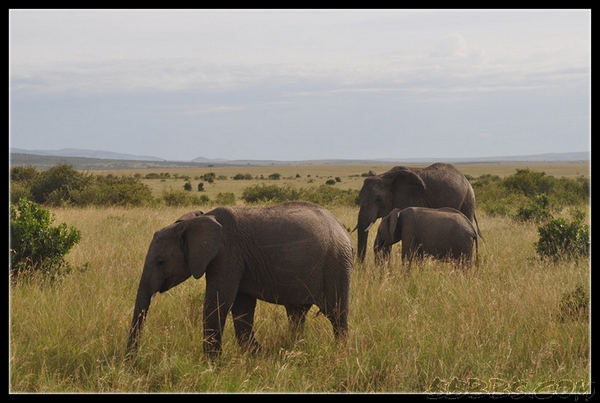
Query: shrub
point(559, 239)
point(327, 195)
point(269, 194)
point(537, 210)
point(242, 177)
point(113, 190)
point(187, 187)
point(35, 245)
point(225, 199)
point(182, 198)
point(275, 176)
point(54, 186)
point(530, 183)
point(200, 187)
point(330, 182)
point(209, 177)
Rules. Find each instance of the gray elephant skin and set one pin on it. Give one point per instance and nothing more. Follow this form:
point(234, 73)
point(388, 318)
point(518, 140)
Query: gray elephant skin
point(438, 185)
point(443, 233)
point(294, 254)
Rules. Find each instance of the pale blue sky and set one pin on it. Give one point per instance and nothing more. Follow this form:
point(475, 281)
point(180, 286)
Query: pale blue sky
point(301, 84)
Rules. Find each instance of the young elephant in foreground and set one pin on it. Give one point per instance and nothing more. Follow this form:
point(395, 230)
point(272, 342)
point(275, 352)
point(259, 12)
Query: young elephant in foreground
point(444, 233)
point(295, 254)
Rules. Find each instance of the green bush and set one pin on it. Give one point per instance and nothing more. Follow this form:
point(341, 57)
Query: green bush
point(35, 245)
point(559, 239)
point(182, 198)
point(187, 187)
point(537, 210)
point(209, 177)
point(516, 194)
point(269, 194)
point(113, 191)
point(225, 199)
point(327, 195)
point(54, 186)
point(242, 177)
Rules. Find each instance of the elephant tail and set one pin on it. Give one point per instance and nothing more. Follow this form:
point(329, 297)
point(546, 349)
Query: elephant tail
point(477, 227)
point(477, 249)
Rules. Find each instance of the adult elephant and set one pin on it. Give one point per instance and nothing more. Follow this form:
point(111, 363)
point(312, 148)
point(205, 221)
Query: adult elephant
point(295, 254)
point(443, 233)
point(438, 185)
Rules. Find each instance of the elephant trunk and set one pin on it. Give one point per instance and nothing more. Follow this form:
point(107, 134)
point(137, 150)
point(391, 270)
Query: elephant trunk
point(366, 218)
point(142, 303)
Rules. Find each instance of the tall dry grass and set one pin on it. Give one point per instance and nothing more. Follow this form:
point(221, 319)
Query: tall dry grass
point(494, 328)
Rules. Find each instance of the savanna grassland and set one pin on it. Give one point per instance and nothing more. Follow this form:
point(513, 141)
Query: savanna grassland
point(437, 329)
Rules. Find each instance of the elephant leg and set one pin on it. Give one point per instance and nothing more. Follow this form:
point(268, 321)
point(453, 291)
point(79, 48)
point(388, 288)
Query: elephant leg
point(297, 316)
point(243, 321)
point(337, 313)
point(216, 307)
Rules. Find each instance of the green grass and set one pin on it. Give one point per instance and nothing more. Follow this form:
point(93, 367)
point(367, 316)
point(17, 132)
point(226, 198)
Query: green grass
point(435, 329)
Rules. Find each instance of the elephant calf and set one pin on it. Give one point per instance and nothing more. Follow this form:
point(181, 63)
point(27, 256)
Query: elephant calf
point(294, 254)
point(444, 233)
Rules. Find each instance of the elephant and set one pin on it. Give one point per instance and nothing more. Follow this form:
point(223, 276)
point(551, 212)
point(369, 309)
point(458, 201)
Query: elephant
point(438, 185)
point(295, 254)
point(444, 233)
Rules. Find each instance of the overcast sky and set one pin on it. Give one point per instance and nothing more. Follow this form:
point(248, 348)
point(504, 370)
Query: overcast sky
point(301, 84)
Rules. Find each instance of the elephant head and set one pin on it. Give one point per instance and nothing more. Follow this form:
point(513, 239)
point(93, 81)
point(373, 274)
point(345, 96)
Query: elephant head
point(388, 233)
point(178, 251)
point(397, 188)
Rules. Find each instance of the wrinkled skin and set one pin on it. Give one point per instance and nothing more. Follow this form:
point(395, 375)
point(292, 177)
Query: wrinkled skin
point(438, 185)
point(295, 254)
point(443, 233)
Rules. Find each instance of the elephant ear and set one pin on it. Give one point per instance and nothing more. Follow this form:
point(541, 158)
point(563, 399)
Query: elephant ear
point(392, 224)
point(192, 214)
point(401, 176)
point(202, 238)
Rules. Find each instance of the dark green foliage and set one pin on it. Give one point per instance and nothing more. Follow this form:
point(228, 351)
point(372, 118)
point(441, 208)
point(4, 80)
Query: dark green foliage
point(537, 210)
point(209, 177)
point(559, 239)
point(242, 177)
point(225, 199)
point(112, 191)
point(35, 245)
point(519, 194)
point(575, 305)
point(328, 195)
point(182, 198)
point(269, 193)
point(275, 176)
point(529, 183)
point(54, 186)
point(323, 195)
point(162, 175)
point(200, 187)
point(330, 182)
point(62, 185)
point(187, 187)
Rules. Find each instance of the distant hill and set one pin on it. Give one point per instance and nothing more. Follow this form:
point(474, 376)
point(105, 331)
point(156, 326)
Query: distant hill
point(95, 160)
point(76, 152)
